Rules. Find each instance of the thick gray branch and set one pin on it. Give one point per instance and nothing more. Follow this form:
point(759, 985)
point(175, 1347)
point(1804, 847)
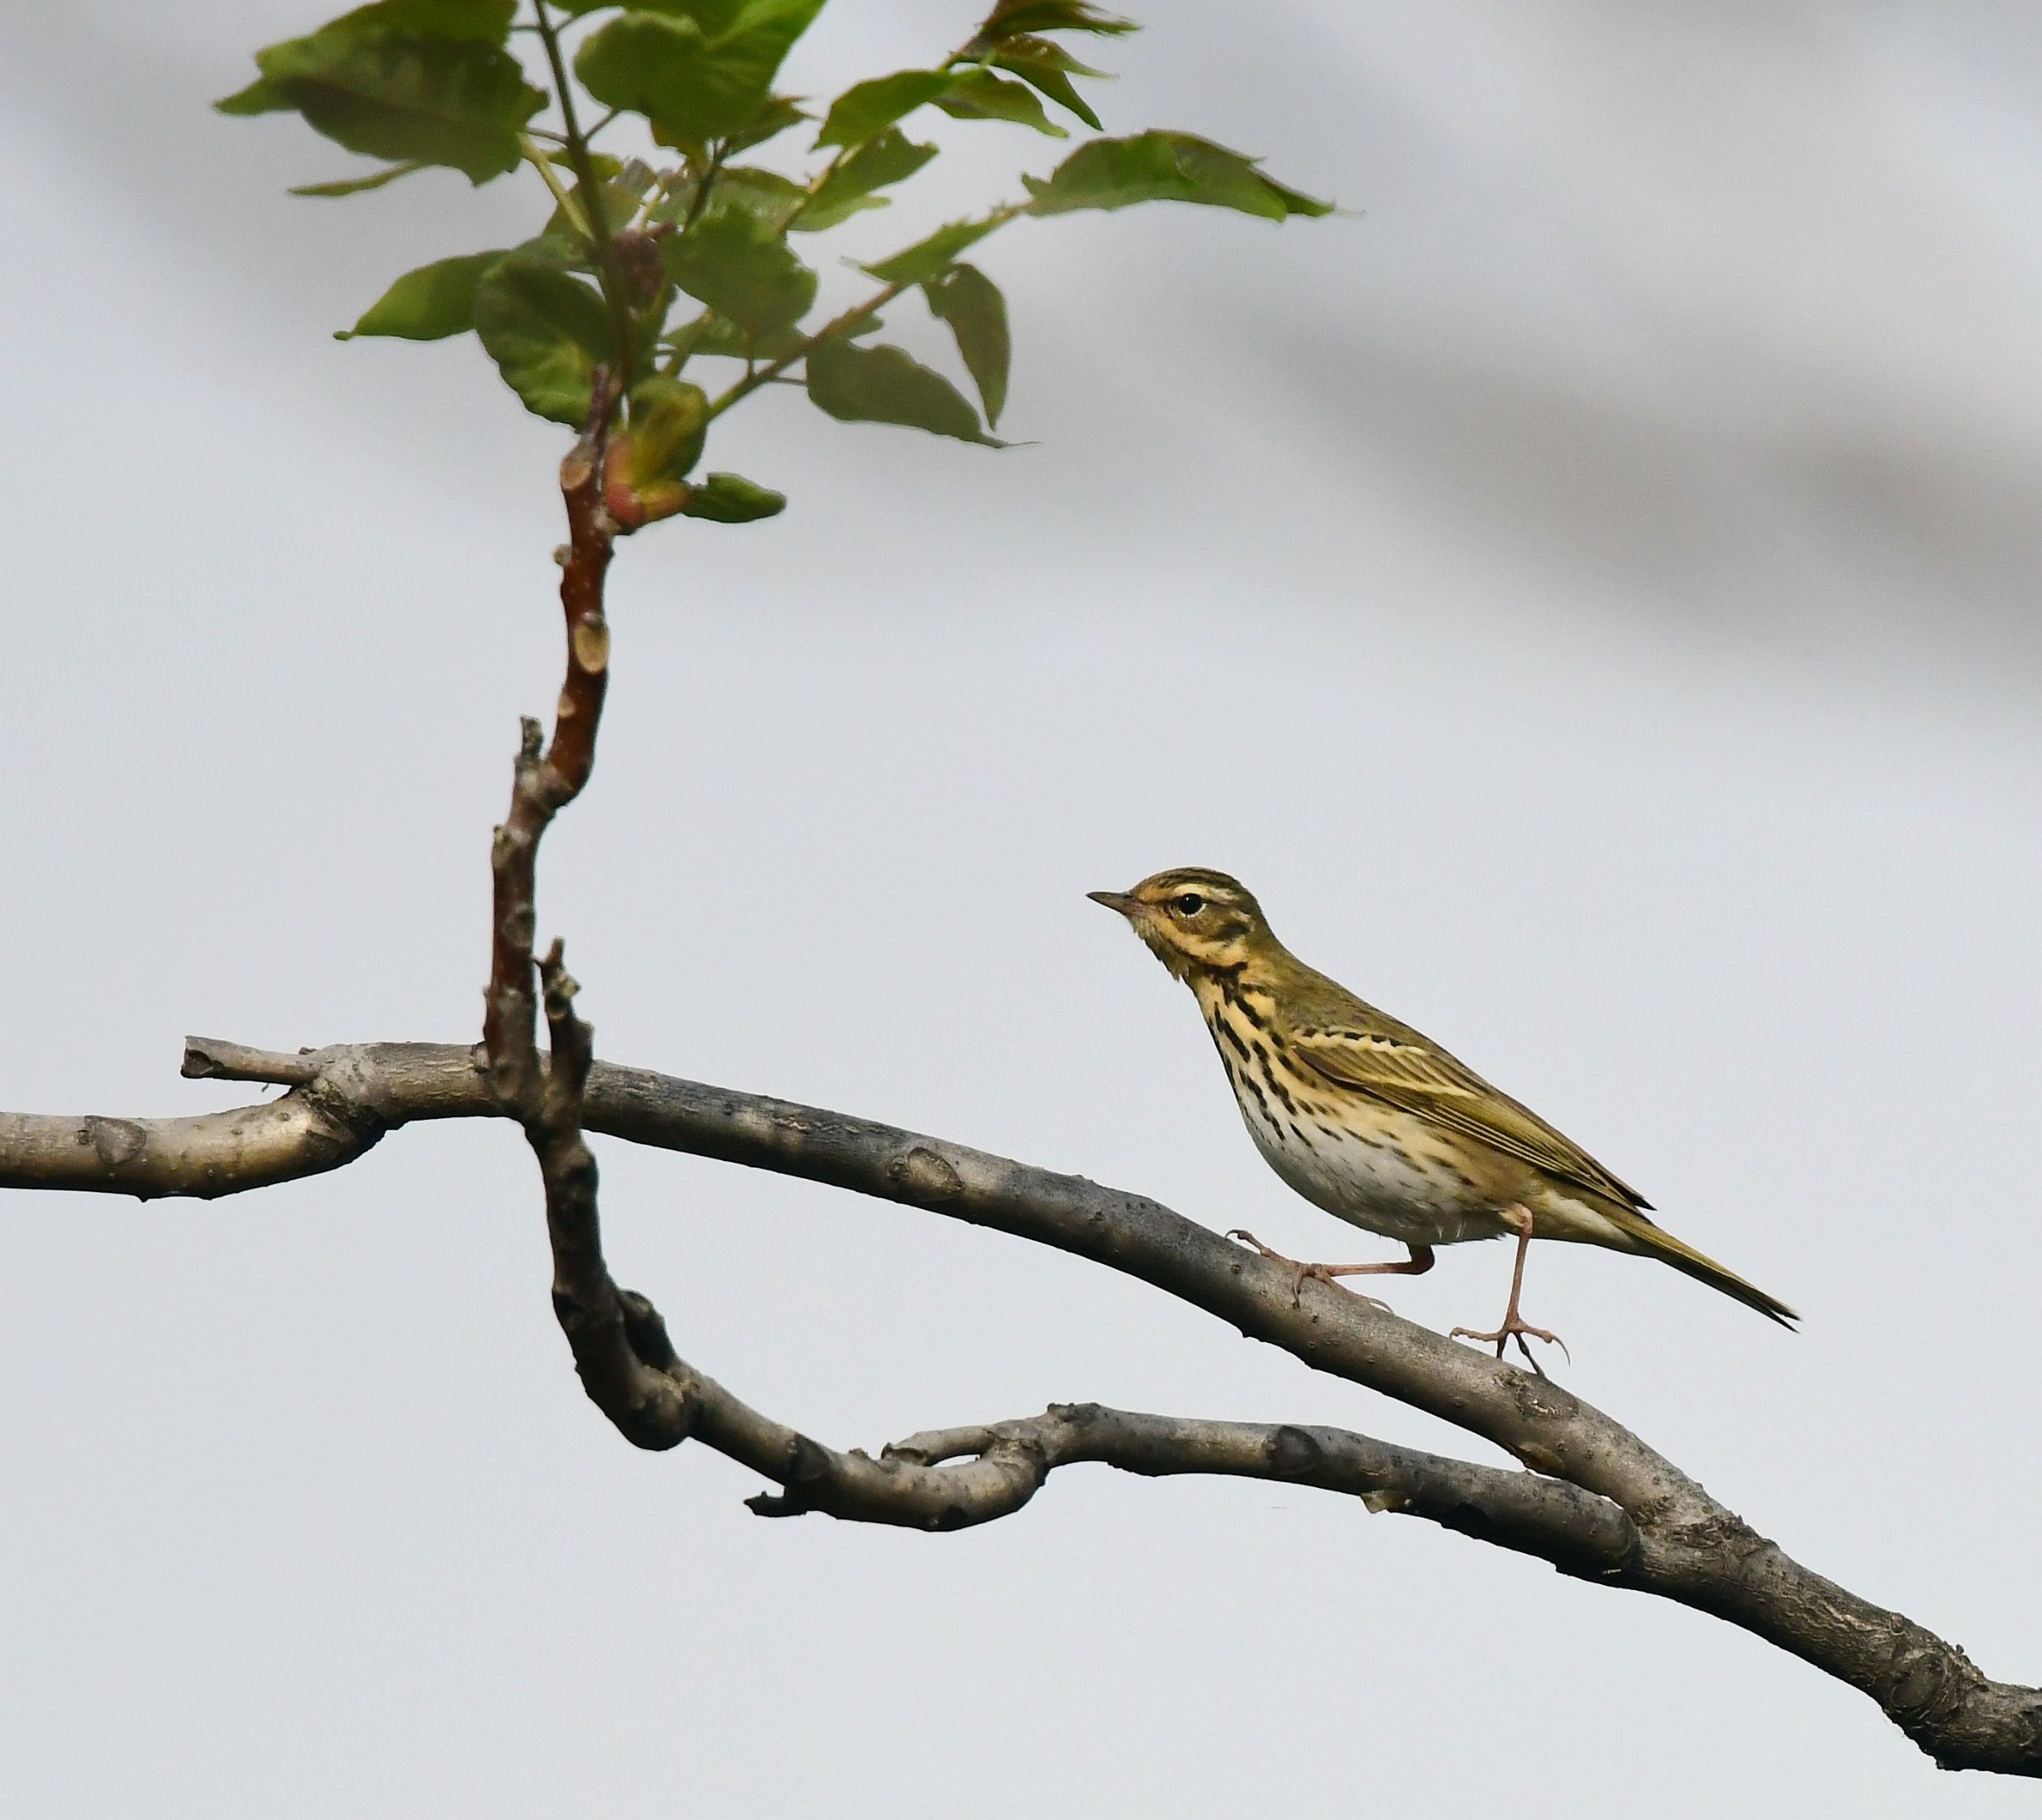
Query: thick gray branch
point(1574, 1529)
point(1005, 1463)
point(1689, 1548)
point(1001, 1465)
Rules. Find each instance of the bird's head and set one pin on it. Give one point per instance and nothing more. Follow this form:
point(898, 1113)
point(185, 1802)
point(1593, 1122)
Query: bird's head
point(1194, 921)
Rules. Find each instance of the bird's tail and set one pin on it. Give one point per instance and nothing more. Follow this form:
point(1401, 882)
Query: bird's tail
point(1655, 1241)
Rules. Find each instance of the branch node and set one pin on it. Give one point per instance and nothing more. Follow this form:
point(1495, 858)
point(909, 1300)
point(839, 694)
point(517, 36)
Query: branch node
point(646, 1331)
point(924, 1179)
point(1293, 1452)
point(209, 1058)
point(808, 1462)
point(592, 642)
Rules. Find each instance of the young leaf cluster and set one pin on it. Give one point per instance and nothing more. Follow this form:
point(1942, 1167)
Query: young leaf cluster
point(664, 271)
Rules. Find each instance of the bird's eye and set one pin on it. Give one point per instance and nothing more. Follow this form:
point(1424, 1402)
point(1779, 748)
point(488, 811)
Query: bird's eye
point(1189, 905)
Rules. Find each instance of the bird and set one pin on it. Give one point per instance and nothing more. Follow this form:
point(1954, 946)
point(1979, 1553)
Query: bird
point(1377, 1124)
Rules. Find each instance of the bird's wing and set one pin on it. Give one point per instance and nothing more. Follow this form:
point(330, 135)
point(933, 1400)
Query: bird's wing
point(1375, 1055)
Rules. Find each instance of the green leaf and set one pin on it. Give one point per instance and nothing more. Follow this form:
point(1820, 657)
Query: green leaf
point(393, 94)
point(888, 157)
point(1164, 167)
point(766, 194)
point(979, 94)
point(467, 21)
point(815, 221)
point(733, 263)
point(714, 334)
point(649, 64)
point(1012, 18)
point(922, 261)
point(346, 186)
point(731, 499)
point(699, 76)
point(1014, 52)
point(709, 14)
point(861, 110)
point(1049, 68)
point(774, 117)
point(428, 304)
point(261, 96)
point(888, 385)
point(971, 304)
point(546, 329)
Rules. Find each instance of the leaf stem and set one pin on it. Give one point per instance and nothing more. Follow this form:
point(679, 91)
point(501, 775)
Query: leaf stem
point(700, 199)
point(814, 186)
point(537, 159)
point(608, 266)
point(842, 324)
point(850, 319)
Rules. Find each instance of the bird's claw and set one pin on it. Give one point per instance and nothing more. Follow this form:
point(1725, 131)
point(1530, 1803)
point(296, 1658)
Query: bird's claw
point(1299, 1271)
point(1513, 1329)
point(1327, 1274)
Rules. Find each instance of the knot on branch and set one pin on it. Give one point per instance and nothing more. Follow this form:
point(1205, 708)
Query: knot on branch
point(1293, 1453)
point(924, 1179)
point(645, 1329)
point(115, 1141)
point(580, 1316)
point(1928, 1682)
point(807, 1463)
point(1079, 1415)
point(346, 1124)
point(805, 1470)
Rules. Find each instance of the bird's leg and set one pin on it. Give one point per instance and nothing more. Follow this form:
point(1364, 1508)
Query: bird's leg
point(1420, 1261)
point(1514, 1326)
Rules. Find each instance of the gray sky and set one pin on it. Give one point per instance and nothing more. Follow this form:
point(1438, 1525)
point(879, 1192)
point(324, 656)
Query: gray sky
point(1586, 591)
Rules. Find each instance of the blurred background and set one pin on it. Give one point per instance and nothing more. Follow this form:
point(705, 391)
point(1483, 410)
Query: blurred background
point(1586, 590)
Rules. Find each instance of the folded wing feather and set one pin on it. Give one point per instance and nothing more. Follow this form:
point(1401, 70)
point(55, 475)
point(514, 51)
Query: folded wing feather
point(1401, 1068)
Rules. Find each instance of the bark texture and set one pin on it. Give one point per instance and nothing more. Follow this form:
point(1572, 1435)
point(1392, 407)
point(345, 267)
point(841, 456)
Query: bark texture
point(1598, 1502)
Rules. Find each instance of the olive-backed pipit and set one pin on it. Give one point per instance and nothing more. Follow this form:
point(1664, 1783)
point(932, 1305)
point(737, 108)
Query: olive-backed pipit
point(1368, 1120)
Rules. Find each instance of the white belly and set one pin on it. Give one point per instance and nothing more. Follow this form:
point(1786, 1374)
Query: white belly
point(1398, 1182)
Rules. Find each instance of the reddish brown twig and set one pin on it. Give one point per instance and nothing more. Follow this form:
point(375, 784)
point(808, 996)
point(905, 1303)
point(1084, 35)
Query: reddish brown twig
point(648, 1407)
point(545, 781)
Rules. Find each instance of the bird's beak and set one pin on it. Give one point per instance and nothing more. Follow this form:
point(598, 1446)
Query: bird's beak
point(1128, 907)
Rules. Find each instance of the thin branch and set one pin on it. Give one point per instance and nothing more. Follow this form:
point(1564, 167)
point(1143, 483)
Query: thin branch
point(840, 325)
point(615, 285)
point(535, 156)
point(813, 187)
point(650, 1407)
point(1008, 1462)
point(1691, 1548)
point(707, 182)
point(545, 783)
point(1007, 212)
